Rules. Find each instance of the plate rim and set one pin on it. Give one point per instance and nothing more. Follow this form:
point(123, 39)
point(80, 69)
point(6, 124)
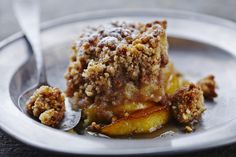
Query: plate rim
point(74, 17)
point(77, 17)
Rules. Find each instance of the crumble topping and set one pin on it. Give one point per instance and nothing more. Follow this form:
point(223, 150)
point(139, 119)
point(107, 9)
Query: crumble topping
point(107, 58)
point(187, 104)
point(47, 104)
point(208, 86)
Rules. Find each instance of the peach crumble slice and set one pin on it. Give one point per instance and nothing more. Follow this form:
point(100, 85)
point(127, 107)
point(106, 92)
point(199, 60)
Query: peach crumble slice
point(120, 76)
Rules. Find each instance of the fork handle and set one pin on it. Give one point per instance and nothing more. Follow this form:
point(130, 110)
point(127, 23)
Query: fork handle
point(28, 16)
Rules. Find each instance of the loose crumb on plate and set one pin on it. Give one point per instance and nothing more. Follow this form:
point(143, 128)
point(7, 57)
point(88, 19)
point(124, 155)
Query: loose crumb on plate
point(208, 86)
point(94, 127)
point(188, 129)
point(187, 104)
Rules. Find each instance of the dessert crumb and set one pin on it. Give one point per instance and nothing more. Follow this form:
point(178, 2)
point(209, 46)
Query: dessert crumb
point(94, 127)
point(47, 104)
point(208, 86)
point(188, 129)
point(187, 104)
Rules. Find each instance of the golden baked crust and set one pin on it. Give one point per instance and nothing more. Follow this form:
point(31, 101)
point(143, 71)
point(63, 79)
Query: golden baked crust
point(47, 104)
point(116, 63)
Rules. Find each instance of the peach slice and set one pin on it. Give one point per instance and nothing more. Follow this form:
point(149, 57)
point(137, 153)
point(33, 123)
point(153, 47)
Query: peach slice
point(142, 121)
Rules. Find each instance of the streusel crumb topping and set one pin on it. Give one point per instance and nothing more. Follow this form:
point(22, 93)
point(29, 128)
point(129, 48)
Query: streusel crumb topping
point(47, 104)
point(107, 58)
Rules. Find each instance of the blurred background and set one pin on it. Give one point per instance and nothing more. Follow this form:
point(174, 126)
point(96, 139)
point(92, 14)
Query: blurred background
point(51, 9)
